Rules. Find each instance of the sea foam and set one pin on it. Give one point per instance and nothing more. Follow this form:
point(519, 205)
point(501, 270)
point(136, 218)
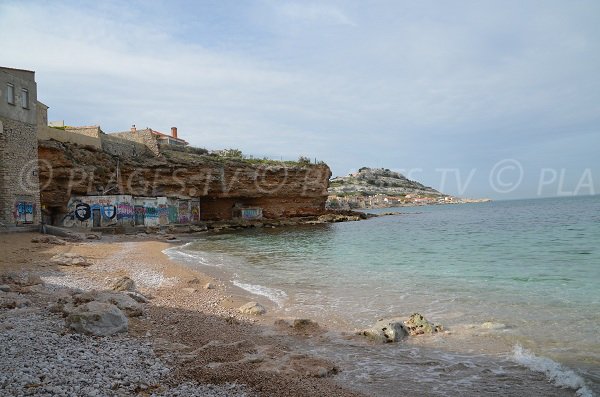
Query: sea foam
point(556, 373)
point(276, 295)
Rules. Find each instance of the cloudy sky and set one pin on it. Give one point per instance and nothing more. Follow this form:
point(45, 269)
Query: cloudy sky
point(497, 98)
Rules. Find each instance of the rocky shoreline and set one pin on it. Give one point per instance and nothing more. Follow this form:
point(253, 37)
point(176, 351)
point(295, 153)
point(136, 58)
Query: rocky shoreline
point(118, 318)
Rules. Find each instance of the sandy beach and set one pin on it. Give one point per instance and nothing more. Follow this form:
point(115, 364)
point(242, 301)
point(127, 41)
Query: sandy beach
point(196, 338)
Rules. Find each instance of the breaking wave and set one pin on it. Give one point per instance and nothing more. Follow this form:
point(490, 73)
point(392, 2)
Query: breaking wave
point(275, 295)
point(556, 373)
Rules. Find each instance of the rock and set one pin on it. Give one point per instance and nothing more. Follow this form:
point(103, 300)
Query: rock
point(97, 318)
point(209, 286)
point(48, 239)
point(195, 280)
point(70, 259)
point(386, 330)
point(123, 284)
point(92, 236)
point(198, 228)
point(418, 325)
point(124, 302)
point(304, 324)
point(13, 302)
point(170, 237)
point(21, 279)
point(152, 229)
point(189, 290)
point(4, 288)
point(253, 308)
point(136, 296)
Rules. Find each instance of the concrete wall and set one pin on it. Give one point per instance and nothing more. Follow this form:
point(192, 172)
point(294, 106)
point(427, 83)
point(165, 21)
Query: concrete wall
point(107, 211)
point(20, 79)
point(101, 211)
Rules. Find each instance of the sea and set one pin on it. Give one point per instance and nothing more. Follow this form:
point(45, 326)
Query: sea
point(515, 284)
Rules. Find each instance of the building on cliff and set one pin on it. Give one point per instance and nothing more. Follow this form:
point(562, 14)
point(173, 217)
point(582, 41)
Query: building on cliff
point(151, 138)
point(19, 179)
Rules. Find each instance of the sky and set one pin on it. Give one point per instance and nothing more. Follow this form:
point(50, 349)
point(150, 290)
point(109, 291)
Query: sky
point(495, 99)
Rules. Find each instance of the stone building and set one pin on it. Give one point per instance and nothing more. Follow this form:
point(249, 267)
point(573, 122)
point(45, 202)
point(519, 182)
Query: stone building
point(19, 180)
point(151, 138)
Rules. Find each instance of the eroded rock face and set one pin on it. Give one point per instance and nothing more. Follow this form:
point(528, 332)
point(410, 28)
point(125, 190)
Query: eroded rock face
point(253, 308)
point(97, 318)
point(280, 189)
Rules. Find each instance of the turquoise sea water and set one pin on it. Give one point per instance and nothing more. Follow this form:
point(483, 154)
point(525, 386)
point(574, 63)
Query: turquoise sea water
point(517, 284)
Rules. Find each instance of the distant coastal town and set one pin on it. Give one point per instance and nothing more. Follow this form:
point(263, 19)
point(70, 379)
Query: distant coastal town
point(371, 188)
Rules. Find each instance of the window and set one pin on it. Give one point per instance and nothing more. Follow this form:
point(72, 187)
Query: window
point(24, 98)
point(10, 94)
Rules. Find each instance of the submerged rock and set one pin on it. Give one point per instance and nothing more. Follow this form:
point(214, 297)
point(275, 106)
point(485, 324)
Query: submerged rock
point(97, 318)
point(253, 308)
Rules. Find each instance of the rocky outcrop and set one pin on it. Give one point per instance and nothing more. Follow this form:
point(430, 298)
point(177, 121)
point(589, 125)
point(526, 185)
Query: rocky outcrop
point(371, 181)
point(419, 325)
point(396, 328)
point(281, 189)
point(386, 330)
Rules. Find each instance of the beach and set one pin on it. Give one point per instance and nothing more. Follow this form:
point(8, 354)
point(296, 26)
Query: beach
point(199, 342)
point(197, 335)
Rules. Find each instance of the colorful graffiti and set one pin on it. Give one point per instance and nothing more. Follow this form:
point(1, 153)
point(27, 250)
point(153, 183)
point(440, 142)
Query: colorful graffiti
point(184, 211)
point(24, 212)
point(163, 214)
point(195, 211)
point(95, 211)
point(124, 211)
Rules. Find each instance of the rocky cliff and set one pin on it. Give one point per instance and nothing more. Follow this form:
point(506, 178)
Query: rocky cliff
point(372, 181)
point(281, 189)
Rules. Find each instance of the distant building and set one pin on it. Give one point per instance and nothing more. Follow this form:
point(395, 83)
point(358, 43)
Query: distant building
point(151, 138)
point(19, 180)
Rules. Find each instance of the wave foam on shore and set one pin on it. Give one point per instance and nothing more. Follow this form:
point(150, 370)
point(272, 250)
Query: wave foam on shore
point(556, 373)
point(275, 295)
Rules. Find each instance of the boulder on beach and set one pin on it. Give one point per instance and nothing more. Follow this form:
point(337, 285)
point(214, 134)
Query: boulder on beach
point(70, 259)
point(123, 284)
point(124, 302)
point(20, 279)
point(386, 330)
point(419, 325)
point(253, 308)
point(97, 318)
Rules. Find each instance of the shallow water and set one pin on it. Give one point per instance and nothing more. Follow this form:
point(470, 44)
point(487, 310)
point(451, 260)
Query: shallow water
point(529, 269)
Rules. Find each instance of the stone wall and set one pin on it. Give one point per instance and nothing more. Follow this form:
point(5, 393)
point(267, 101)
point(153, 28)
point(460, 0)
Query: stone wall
point(19, 173)
point(118, 146)
point(144, 137)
